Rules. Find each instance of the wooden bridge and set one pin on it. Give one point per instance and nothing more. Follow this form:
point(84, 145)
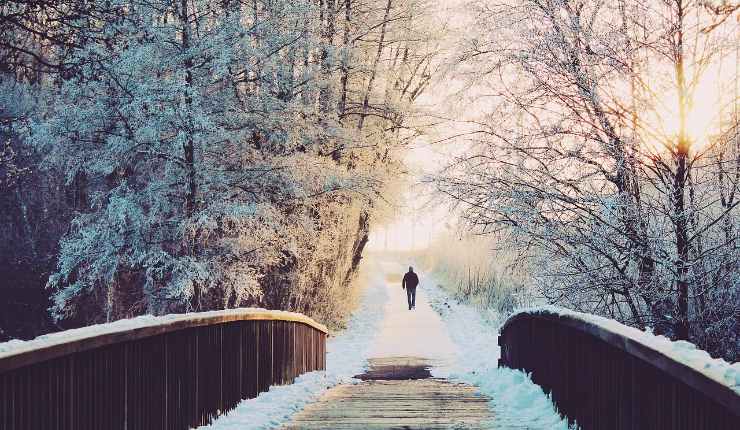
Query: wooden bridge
point(180, 372)
point(397, 393)
point(160, 373)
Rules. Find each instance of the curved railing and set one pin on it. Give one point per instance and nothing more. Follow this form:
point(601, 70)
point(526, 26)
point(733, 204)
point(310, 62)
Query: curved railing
point(603, 377)
point(173, 372)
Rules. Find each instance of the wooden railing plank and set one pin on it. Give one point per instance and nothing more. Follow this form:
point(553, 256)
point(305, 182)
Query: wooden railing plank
point(31, 352)
point(173, 373)
point(606, 379)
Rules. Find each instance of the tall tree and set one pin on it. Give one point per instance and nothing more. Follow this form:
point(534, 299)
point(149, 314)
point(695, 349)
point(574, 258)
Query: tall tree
point(587, 157)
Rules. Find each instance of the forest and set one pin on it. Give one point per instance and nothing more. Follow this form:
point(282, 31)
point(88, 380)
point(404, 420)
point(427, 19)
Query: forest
point(604, 157)
point(168, 156)
point(164, 156)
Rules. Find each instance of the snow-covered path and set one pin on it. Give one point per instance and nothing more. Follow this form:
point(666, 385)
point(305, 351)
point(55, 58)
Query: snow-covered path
point(346, 357)
point(416, 333)
point(460, 344)
point(517, 402)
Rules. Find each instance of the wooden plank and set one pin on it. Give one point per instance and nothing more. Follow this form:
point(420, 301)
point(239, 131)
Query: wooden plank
point(176, 380)
point(598, 377)
point(51, 348)
point(395, 403)
point(400, 368)
point(635, 347)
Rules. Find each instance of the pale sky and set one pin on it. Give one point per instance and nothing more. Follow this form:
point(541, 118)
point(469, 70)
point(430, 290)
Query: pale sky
point(417, 223)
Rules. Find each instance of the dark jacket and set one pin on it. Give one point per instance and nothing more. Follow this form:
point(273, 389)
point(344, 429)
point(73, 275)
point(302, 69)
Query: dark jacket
point(410, 280)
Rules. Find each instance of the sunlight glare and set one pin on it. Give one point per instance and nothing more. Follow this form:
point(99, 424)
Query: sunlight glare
point(702, 121)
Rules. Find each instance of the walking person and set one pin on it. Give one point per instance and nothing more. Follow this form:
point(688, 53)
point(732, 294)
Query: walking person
point(410, 281)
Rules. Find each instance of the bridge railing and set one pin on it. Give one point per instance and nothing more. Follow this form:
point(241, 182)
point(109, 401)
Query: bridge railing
point(174, 372)
point(603, 377)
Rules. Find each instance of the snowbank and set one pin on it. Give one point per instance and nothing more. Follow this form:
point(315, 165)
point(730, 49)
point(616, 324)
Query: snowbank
point(681, 351)
point(346, 357)
point(517, 402)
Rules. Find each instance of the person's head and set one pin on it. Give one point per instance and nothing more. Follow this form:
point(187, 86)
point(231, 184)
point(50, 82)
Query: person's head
point(411, 269)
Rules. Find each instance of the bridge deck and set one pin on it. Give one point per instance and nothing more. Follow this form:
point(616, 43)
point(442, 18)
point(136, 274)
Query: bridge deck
point(397, 393)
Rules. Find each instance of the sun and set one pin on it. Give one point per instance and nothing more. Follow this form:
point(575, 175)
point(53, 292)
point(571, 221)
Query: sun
point(662, 122)
point(702, 116)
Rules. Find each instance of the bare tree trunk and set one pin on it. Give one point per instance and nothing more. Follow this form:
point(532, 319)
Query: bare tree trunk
point(189, 144)
point(328, 30)
point(679, 184)
point(345, 61)
point(374, 71)
point(682, 248)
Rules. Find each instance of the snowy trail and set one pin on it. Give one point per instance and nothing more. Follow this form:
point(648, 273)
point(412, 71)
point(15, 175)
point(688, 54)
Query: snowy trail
point(416, 333)
point(463, 346)
point(460, 344)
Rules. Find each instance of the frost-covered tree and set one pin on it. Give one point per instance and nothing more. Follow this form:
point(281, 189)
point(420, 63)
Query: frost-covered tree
point(159, 111)
point(586, 158)
point(216, 149)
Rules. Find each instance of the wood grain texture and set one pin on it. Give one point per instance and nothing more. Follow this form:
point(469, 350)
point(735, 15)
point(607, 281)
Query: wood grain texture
point(51, 348)
point(636, 348)
point(176, 380)
point(397, 403)
point(606, 380)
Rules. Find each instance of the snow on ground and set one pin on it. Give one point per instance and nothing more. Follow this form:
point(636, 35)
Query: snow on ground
point(346, 357)
point(462, 345)
point(455, 337)
point(517, 402)
point(684, 352)
point(405, 333)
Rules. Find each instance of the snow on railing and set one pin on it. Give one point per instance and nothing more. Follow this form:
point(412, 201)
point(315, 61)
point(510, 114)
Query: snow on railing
point(603, 374)
point(146, 325)
point(167, 372)
point(681, 351)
